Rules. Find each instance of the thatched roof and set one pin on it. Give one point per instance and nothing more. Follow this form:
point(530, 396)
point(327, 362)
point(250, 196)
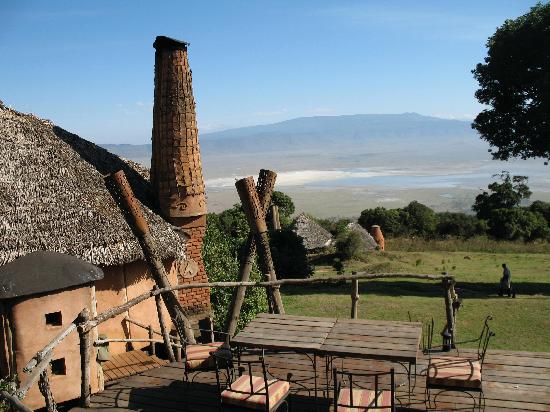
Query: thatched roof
point(313, 235)
point(53, 196)
point(368, 241)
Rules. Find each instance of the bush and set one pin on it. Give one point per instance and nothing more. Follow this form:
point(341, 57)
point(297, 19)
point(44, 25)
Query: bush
point(219, 253)
point(516, 223)
point(459, 225)
point(538, 206)
point(349, 245)
point(289, 255)
point(335, 226)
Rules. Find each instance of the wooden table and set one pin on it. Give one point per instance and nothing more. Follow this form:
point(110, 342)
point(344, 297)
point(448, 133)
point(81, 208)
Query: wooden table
point(334, 337)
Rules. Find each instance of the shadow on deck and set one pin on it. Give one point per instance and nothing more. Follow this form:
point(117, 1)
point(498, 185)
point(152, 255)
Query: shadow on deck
point(513, 381)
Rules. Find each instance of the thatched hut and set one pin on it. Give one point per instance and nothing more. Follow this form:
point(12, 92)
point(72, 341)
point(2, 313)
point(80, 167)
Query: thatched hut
point(367, 241)
point(53, 197)
point(314, 236)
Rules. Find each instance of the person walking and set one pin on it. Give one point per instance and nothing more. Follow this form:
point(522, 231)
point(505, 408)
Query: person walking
point(506, 282)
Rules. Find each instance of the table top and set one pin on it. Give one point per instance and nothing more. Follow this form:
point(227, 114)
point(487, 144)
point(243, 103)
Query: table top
point(371, 339)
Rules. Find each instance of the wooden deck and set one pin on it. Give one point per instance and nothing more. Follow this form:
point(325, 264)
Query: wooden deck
point(513, 381)
point(130, 363)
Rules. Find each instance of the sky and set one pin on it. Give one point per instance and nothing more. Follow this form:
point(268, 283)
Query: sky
point(89, 65)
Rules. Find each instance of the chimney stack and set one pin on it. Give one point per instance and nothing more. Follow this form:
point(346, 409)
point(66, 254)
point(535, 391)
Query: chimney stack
point(176, 171)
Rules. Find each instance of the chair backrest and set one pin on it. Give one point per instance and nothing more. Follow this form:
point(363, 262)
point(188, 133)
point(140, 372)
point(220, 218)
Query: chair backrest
point(244, 365)
point(354, 383)
point(427, 335)
point(484, 338)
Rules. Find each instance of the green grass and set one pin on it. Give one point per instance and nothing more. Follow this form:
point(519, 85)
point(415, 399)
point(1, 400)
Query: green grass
point(520, 324)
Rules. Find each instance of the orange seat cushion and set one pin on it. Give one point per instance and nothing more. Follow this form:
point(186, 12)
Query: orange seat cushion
point(241, 394)
point(363, 400)
point(198, 356)
point(454, 371)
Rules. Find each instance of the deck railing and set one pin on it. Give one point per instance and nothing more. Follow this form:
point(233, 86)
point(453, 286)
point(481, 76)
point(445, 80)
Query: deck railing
point(36, 368)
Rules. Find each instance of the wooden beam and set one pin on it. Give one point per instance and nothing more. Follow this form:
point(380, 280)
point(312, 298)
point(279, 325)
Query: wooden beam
point(256, 220)
point(164, 330)
point(122, 192)
point(264, 188)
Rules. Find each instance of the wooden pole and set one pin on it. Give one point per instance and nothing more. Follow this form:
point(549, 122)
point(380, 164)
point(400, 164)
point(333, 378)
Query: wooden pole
point(152, 349)
point(125, 198)
point(163, 330)
point(85, 346)
point(275, 221)
point(256, 219)
point(264, 188)
point(354, 297)
point(44, 387)
point(449, 307)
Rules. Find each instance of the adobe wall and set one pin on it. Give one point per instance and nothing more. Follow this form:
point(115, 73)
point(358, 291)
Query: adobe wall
point(119, 285)
point(31, 334)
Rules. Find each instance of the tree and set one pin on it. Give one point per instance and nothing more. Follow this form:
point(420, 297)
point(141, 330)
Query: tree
point(418, 219)
point(507, 194)
point(289, 255)
point(349, 245)
point(538, 206)
point(459, 225)
point(387, 219)
point(515, 82)
point(285, 205)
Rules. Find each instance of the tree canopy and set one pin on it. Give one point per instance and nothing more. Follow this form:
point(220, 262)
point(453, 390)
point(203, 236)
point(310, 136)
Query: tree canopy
point(515, 82)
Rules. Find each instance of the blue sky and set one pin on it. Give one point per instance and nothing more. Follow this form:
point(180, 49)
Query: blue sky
point(88, 66)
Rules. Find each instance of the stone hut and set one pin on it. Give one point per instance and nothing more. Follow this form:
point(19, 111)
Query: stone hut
point(314, 236)
point(40, 295)
point(367, 240)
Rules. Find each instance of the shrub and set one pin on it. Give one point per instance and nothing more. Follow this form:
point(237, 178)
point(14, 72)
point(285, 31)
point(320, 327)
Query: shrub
point(349, 245)
point(222, 265)
point(516, 223)
point(418, 219)
point(335, 226)
point(459, 225)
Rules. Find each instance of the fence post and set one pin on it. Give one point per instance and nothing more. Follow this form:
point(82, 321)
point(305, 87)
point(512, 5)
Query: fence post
point(85, 345)
point(354, 297)
point(449, 307)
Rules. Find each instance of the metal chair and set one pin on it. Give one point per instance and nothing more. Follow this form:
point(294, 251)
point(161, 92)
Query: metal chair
point(249, 391)
point(197, 357)
point(456, 373)
point(361, 396)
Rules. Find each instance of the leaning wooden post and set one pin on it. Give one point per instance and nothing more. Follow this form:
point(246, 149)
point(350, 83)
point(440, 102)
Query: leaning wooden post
point(354, 297)
point(85, 346)
point(256, 219)
point(125, 198)
point(264, 188)
point(163, 330)
point(449, 307)
point(44, 387)
point(275, 220)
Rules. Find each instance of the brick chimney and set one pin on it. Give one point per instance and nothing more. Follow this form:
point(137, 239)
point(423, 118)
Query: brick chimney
point(176, 171)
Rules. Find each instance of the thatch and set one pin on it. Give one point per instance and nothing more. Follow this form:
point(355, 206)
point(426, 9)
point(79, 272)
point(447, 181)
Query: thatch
point(53, 197)
point(313, 235)
point(367, 240)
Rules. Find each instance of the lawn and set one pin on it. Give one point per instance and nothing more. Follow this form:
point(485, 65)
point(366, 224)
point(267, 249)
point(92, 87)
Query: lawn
point(522, 323)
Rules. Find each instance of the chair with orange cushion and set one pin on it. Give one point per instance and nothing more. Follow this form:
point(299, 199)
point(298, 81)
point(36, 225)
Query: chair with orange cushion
point(459, 373)
point(197, 357)
point(252, 390)
point(362, 394)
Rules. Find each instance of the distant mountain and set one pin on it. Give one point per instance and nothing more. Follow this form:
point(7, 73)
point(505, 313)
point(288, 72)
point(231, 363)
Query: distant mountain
point(349, 133)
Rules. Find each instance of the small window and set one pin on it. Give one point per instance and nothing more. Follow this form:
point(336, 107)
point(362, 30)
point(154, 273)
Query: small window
point(58, 366)
point(54, 319)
